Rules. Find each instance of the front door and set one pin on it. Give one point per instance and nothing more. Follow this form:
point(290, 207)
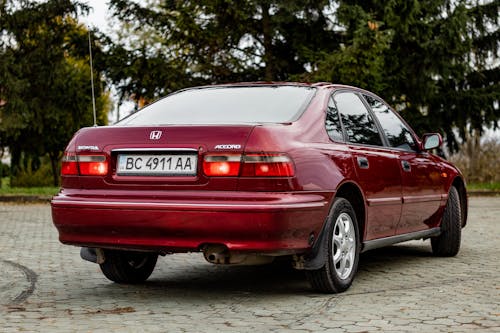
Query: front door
point(422, 195)
point(420, 175)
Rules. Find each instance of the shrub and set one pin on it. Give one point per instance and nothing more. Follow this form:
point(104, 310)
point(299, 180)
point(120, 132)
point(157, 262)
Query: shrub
point(29, 178)
point(479, 160)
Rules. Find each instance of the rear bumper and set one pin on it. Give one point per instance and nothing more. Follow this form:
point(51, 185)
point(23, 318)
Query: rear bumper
point(258, 222)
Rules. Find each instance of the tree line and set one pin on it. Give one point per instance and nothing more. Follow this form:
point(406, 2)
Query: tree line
point(436, 61)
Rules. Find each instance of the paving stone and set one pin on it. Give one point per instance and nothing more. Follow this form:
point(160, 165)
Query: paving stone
point(46, 287)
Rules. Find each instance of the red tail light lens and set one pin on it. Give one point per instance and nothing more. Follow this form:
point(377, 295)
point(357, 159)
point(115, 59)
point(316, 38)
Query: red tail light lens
point(221, 165)
point(93, 165)
point(85, 165)
point(69, 164)
point(249, 165)
point(267, 165)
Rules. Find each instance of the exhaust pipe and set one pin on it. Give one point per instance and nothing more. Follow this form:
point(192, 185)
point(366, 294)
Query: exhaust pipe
point(219, 254)
point(216, 254)
point(92, 255)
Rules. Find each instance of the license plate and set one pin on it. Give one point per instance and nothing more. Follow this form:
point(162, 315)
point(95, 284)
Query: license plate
point(157, 164)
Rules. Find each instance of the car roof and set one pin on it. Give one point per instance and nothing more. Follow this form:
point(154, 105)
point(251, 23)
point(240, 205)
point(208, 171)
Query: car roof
point(265, 83)
point(321, 85)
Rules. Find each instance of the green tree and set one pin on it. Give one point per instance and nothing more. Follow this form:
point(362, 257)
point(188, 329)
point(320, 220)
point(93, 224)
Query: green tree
point(359, 61)
point(207, 41)
point(436, 60)
point(44, 81)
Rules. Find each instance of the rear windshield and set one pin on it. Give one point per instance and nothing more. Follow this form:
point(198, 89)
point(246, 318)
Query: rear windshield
point(226, 105)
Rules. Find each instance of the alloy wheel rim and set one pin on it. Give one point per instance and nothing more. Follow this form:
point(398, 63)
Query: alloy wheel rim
point(344, 246)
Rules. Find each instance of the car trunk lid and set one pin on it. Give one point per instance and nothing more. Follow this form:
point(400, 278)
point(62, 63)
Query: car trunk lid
point(170, 157)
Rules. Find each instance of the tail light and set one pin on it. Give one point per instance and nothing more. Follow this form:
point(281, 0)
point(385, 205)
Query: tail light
point(249, 165)
point(69, 164)
point(267, 165)
point(85, 165)
point(93, 165)
point(221, 165)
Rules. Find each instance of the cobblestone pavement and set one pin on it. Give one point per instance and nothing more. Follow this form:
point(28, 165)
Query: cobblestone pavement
point(46, 287)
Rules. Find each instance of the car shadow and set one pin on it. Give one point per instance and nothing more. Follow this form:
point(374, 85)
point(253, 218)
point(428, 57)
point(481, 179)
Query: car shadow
point(278, 277)
point(396, 252)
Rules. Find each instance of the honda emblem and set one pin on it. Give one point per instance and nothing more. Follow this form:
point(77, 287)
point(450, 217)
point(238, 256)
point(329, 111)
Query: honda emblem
point(155, 135)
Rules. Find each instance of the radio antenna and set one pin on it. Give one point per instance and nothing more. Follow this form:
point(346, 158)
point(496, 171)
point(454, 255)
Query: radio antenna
point(92, 80)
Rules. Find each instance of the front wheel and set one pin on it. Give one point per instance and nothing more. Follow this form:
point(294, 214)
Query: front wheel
point(447, 243)
point(127, 266)
point(343, 244)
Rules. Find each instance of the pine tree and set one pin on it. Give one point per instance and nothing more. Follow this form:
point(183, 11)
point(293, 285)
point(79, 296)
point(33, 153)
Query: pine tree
point(206, 41)
point(435, 60)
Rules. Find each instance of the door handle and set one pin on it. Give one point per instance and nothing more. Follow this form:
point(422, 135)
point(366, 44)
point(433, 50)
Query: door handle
point(406, 166)
point(363, 162)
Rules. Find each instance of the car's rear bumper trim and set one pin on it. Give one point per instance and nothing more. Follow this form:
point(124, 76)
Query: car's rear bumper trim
point(188, 206)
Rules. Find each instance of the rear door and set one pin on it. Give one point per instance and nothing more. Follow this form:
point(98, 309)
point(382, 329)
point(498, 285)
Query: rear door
point(377, 168)
point(421, 176)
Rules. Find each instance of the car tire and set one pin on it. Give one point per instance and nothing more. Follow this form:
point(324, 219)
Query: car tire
point(343, 247)
point(447, 244)
point(128, 267)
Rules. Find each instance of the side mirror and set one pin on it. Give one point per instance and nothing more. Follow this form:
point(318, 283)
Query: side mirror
point(431, 141)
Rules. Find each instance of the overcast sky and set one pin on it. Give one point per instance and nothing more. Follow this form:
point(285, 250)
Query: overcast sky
point(98, 14)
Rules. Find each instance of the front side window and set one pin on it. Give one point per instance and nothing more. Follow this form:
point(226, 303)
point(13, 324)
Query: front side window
point(226, 105)
point(358, 123)
point(397, 133)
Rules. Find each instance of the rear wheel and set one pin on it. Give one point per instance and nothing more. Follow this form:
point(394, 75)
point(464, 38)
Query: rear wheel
point(127, 266)
point(343, 248)
point(447, 243)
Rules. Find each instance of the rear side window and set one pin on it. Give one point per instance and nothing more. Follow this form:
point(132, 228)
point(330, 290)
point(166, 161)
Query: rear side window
point(332, 122)
point(226, 105)
point(397, 133)
point(358, 122)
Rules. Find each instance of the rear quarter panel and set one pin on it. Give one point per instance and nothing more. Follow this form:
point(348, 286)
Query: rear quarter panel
point(321, 165)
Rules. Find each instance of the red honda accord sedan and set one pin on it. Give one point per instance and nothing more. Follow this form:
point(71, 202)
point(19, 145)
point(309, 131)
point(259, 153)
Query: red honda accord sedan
point(248, 172)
